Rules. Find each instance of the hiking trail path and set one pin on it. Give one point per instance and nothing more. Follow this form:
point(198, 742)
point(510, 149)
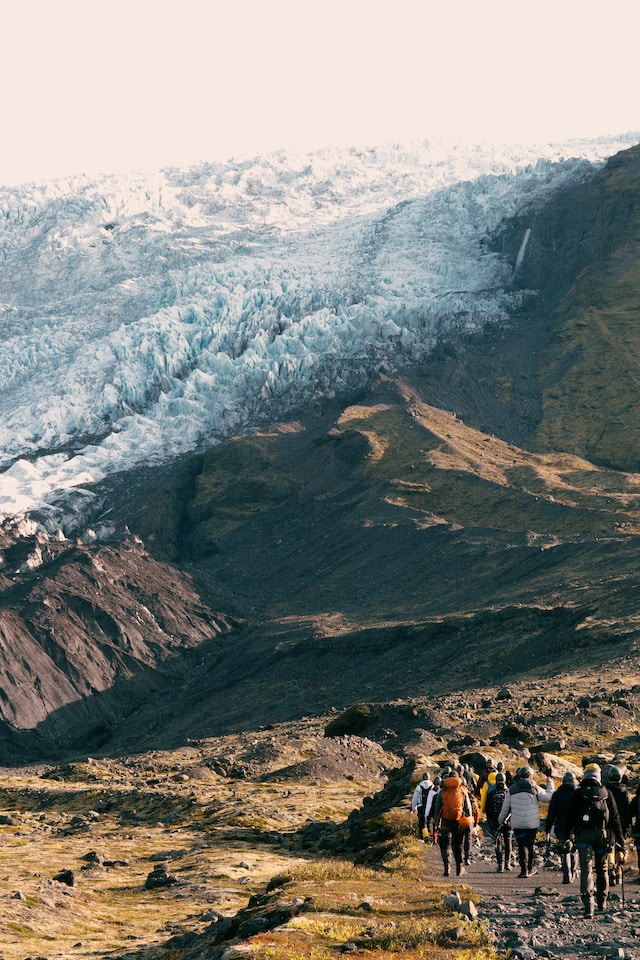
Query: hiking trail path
point(540, 916)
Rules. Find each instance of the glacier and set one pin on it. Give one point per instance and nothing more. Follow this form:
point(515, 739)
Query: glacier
point(147, 316)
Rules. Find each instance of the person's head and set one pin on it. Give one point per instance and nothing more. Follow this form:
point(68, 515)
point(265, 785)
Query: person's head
point(500, 780)
point(569, 778)
point(499, 765)
point(437, 781)
point(613, 775)
point(526, 773)
point(592, 772)
point(489, 762)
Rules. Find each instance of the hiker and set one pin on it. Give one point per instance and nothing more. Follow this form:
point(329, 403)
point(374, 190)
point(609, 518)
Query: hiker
point(469, 778)
point(556, 824)
point(522, 800)
point(632, 823)
point(453, 816)
point(475, 815)
point(421, 803)
point(500, 832)
point(507, 775)
point(620, 794)
point(592, 814)
point(483, 776)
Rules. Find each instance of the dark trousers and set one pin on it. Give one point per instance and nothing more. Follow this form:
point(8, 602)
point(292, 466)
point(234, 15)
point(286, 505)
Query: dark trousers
point(525, 840)
point(451, 838)
point(503, 845)
point(590, 860)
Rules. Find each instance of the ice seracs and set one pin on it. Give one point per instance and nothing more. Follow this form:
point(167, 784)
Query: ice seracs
point(144, 316)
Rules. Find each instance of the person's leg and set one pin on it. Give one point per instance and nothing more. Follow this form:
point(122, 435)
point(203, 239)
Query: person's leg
point(444, 842)
point(521, 841)
point(457, 844)
point(585, 856)
point(531, 840)
point(601, 858)
point(508, 848)
point(500, 850)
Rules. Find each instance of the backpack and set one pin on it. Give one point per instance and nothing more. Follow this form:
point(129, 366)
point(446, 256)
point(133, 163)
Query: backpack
point(594, 810)
point(424, 793)
point(494, 804)
point(452, 799)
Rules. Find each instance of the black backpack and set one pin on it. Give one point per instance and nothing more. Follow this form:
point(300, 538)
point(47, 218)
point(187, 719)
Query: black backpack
point(594, 809)
point(424, 794)
point(494, 804)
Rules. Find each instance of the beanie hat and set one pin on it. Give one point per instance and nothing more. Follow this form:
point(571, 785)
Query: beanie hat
point(592, 772)
point(499, 779)
point(500, 765)
point(526, 772)
point(569, 777)
point(614, 774)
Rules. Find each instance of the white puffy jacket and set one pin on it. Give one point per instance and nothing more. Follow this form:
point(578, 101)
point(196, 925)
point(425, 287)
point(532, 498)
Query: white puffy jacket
point(522, 801)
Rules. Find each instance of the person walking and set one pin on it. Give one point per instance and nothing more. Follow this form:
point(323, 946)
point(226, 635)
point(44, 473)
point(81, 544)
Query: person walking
point(633, 824)
point(453, 817)
point(421, 803)
point(620, 794)
point(556, 824)
point(522, 800)
point(500, 832)
point(592, 815)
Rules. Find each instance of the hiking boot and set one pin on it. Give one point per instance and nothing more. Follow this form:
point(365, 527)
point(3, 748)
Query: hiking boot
point(499, 869)
point(602, 906)
point(508, 866)
point(446, 869)
point(522, 875)
point(531, 872)
point(460, 870)
point(588, 912)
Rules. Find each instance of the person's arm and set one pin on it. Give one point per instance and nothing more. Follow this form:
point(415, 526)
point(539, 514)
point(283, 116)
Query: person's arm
point(506, 808)
point(614, 820)
point(544, 796)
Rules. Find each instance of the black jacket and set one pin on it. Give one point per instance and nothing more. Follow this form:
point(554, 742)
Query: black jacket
point(559, 810)
point(621, 796)
point(575, 825)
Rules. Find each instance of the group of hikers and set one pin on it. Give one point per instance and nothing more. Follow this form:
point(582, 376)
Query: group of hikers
point(588, 819)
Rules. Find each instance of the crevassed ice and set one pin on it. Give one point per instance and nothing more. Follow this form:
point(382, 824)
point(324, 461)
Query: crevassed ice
point(141, 316)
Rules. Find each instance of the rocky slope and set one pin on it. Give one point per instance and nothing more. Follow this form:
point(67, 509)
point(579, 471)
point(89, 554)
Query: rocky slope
point(471, 522)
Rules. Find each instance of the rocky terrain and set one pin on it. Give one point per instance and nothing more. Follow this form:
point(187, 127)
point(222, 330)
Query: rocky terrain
point(296, 840)
point(213, 718)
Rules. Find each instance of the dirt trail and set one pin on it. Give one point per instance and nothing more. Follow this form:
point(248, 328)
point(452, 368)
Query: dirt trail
point(542, 917)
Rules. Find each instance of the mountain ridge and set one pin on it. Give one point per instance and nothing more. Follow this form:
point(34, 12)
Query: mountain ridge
point(345, 551)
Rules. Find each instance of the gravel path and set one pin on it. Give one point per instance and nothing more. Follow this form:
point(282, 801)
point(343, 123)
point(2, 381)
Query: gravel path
point(541, 917)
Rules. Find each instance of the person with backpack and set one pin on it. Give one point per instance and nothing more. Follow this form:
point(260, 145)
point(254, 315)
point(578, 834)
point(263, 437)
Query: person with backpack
point(453, 817)
point(620, 794)
point(500, 832)
point(483, 776)
point(557, 815)
point(522, 800)
point(632, 823)
point(592, 814)
point(421, 803)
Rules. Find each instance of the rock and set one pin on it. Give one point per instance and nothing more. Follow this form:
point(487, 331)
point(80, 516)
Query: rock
point(167, 855)
point(468, 909)
point(455, 933)
point(504, 694)
point(453, 900)
point(66, 877)
point(159, 878)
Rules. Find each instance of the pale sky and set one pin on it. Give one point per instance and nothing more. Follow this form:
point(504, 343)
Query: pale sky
point(94, 86)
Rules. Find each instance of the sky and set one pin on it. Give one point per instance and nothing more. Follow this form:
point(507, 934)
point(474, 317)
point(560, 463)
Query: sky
point(102, 86)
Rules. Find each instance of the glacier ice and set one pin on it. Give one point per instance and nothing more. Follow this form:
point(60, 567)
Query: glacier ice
point(144, 316)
